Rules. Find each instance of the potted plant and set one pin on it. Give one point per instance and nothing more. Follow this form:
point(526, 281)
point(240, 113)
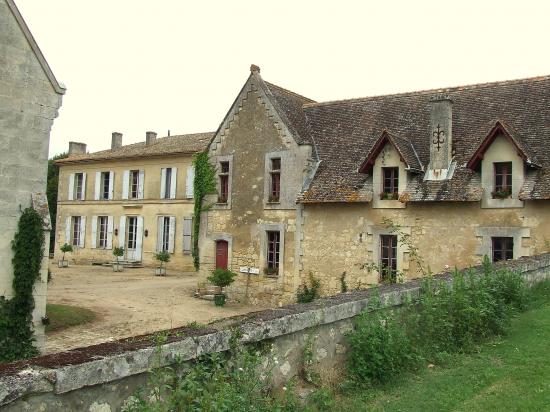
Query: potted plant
point(273, 271)
point(162, 257)
point(64, 263)
point(118, 252)
point(222, 199)
point(389, 196)
point(502, 194)
point(273, 199)
point(221, 278)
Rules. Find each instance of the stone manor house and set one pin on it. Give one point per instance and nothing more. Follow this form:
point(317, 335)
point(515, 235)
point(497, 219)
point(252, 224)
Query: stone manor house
point(306, 187)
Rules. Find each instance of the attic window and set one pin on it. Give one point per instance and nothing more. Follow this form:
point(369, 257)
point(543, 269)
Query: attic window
point(390, 182)
point(503, 179)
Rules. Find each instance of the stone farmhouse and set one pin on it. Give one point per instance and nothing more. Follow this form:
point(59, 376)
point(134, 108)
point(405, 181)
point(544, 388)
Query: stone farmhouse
point(137, 196)
point(306, 187)
point(30, 97)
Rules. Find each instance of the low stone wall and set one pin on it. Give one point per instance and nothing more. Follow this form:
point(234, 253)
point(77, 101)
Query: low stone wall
point(101, 377)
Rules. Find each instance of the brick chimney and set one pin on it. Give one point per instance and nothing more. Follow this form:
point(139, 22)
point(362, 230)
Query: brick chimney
point(76, 148)
point(441, 138)
point(116, 140)
point(150, 138)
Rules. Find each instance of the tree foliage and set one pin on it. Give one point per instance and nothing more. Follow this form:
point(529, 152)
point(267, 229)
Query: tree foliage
point(51, 192)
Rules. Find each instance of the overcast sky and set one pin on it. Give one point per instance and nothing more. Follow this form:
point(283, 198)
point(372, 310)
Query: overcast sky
point(136, 65)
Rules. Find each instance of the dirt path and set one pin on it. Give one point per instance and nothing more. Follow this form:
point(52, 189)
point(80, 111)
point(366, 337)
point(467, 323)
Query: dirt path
point(129, 303)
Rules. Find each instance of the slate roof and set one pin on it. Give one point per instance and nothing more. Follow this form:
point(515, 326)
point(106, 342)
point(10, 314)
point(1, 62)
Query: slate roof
point(345, 132)
point(289, 106)
point(170, 145)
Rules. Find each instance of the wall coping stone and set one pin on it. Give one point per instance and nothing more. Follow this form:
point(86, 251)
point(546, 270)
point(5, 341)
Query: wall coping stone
point(26, 377)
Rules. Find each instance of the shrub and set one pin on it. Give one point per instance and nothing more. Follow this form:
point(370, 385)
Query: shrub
point(162, 257)
point(305, 293)
point(343, 283)
point(118, 252)
point(222, 277)
point(65, 249)
point(380, 347)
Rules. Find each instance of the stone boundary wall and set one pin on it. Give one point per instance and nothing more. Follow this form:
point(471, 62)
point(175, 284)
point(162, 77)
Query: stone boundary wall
point(92, 379)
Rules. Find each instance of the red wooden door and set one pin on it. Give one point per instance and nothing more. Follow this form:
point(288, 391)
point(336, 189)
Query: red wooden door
point(221, 254)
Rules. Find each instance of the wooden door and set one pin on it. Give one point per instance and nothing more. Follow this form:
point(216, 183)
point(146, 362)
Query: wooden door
point(221, 254)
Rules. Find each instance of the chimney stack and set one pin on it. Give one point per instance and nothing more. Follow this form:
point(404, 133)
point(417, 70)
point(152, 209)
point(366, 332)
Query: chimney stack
point(254, 68)
point(76, 148)
point(441, 138)
point(150, 138)
point(116, 140)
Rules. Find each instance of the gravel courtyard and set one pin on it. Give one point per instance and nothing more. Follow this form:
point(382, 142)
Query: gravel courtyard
point(129, 303)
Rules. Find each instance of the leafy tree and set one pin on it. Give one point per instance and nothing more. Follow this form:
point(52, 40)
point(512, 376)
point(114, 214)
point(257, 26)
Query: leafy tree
point(51, 192)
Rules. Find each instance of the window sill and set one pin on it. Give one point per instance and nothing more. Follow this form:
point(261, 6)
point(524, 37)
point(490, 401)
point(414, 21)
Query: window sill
point(273, 203)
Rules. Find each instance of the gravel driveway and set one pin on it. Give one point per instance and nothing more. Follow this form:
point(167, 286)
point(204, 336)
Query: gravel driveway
point(129, 303)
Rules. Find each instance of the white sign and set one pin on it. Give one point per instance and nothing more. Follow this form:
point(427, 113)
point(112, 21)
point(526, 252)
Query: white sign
point(243, 269)
point(254, 271)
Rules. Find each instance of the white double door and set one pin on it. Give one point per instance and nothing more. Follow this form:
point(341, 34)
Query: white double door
point(131, 237)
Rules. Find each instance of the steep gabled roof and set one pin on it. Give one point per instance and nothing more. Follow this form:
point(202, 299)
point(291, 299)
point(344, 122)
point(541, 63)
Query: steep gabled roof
point(165, 146)
point(404, 147)
point(287, 107)
point(345, 132)
point(58, 87)
point(523, 149)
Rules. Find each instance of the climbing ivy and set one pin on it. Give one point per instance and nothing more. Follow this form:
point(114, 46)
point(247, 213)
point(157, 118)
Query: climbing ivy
point(16, 334)
point(204, 184)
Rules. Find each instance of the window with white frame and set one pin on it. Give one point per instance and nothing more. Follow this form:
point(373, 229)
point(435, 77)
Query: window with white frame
point(134, 184)
point(105, 185)
point(76, 230)
point(77, 186)
point(168, 182)
point(187, 235)
point(102, 231)
point(166, 227)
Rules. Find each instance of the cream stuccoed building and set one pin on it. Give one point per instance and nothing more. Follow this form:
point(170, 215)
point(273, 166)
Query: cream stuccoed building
point(137, 196)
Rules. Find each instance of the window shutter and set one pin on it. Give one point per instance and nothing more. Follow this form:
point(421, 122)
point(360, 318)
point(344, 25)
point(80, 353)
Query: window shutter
point(71, 187)
point(68, 221)
point(141, 182)
point(93, 243)
point(125, 184)
point(122, 232)
point(97, 185)
point(162, 182)
point(187, 230)
point(160, 232)
point(110, 232)
point(82, 230)
point(111, 184)
point(173, 184)
point(83, 197)
point(171, 235)
point(189, 182)
point(139, 238)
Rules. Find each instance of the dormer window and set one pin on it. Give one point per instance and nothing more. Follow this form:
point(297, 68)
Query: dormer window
point(390, 183)
point(503, 180)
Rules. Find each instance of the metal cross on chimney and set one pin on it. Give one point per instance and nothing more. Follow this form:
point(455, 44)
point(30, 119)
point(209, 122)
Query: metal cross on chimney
point(438, 141)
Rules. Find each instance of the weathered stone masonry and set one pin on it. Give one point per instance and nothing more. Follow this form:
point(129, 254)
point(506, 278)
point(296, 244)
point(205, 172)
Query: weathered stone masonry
point(105, 381)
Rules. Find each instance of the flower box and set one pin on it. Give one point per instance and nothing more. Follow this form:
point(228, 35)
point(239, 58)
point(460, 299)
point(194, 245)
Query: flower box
point(389, 196)
point(501, 194)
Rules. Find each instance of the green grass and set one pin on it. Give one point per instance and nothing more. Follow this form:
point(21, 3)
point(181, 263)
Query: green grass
point(507, 374)
point(65, 316)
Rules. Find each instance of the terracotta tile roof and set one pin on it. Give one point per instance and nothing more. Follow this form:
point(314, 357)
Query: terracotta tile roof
point(345, 131)
point(169, 145)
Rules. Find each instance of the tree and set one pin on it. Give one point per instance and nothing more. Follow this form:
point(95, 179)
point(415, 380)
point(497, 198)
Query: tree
point(51, 193)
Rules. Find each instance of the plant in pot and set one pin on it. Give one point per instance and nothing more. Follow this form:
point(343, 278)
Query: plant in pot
point(221, 278)
point(65, 248)
point(271, 271)
point(118, 252)
point(162, 257)
point(502, 194)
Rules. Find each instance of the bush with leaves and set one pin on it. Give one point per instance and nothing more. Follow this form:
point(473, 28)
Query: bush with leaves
point(305, 293)
point(16, 334)
point(118, 252)
point(222, 278)
point(162, 257)
point(65, 248)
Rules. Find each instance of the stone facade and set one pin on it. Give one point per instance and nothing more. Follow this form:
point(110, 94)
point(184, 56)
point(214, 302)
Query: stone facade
point(30, 97)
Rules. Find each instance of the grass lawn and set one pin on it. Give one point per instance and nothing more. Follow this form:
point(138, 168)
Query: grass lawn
point(65, 316)
point(508, 374)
